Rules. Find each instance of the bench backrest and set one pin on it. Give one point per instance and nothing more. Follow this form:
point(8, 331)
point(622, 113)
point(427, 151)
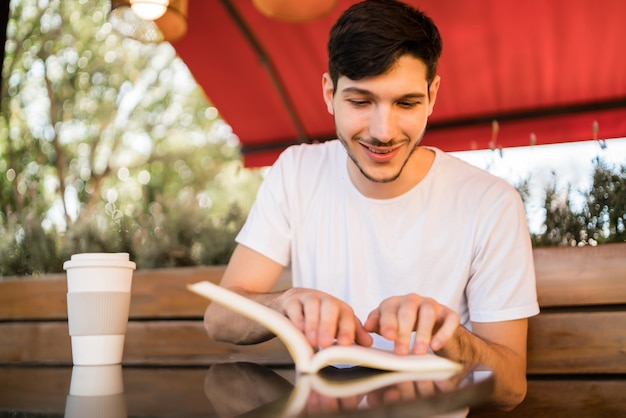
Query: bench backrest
point(581, 327)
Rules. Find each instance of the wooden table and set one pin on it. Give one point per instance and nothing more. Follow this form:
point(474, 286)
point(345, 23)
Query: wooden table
point(226, 390)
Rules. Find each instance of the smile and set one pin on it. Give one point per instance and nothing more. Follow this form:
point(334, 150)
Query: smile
point(380, 154)
point(380, 151)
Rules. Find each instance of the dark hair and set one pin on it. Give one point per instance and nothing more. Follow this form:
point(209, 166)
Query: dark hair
point(369, 37)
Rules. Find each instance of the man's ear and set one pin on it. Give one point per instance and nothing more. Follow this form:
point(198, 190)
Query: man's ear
point(432, 93)
point(328, 90)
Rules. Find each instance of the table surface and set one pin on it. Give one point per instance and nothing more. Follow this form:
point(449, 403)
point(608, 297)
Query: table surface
point(230, 389)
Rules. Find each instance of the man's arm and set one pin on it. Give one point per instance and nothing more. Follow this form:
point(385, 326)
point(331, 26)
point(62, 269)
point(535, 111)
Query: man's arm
point(320, 316)
point(252, 275)
point(500, 346)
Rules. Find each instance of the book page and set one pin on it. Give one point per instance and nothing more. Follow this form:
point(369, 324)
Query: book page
point(381, 359)
point(299, 349)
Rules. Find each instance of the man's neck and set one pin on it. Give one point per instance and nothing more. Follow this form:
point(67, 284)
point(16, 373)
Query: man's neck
point(413, 173)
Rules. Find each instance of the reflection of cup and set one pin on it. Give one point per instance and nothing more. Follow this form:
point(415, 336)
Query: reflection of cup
point(98, 303)
point(96, 391)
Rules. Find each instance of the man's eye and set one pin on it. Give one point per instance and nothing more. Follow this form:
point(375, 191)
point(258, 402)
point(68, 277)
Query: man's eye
point(358, 103)
point(407, 105)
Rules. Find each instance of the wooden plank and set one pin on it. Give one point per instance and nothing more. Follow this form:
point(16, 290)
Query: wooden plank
point(159, 293)
point(569, 342)
point(186, 343)
point(591, 397)
point(577, 276)
point(33, 298)
point(565, 277)
point(146, 343)
point(35, 342)
point(577, 342)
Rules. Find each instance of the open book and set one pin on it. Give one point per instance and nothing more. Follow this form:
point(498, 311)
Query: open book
point(305, 359)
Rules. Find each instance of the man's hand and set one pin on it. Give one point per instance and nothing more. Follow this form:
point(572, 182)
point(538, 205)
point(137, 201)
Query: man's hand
point(398, 316)
point(323, 318)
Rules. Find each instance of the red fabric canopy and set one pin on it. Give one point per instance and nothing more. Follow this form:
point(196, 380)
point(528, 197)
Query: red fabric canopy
point(550, 70)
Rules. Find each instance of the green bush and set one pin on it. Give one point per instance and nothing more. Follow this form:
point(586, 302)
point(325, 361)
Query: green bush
point(174, 235)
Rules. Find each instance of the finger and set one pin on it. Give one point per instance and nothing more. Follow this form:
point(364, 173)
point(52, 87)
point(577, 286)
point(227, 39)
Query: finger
point(451, 322)
point(311, 309)
point(425, 388)
point(328, 404)
point(407, 317)
point(427, 316)
point(362, 337)
point(372, 321)
point(374, 398)
point(348, 403)
point(388, 318)
point(407, 390)
point(331, 324)
point(313, 403)
point(293, 310)
point(347, 326)
point(391, 394)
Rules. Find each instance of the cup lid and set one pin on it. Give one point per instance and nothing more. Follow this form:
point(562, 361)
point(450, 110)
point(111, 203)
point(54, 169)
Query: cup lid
point(100, 260)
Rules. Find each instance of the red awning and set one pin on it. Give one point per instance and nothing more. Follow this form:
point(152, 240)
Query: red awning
point(554, 71)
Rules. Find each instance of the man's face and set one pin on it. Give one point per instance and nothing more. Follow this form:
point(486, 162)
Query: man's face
point(380, 120)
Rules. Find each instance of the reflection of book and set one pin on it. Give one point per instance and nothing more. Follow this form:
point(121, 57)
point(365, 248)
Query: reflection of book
point(330, 385)
point(306, 360)
point(352, 391)
point(334, 387)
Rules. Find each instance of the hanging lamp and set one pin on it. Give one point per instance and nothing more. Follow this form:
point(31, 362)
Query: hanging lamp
point(150, 20)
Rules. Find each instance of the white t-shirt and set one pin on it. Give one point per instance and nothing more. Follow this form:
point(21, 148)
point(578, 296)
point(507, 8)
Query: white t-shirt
point(460, 236)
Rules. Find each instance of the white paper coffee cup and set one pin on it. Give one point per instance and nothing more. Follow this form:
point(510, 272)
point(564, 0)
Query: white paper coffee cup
point(98, 302)
point(93, 272)
point(96, 391)
point(97, 380)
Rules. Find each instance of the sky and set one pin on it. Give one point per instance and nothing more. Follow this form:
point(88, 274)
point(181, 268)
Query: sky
point(570, 164)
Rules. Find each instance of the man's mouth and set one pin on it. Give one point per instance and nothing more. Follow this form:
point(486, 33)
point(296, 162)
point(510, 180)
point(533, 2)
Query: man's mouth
point(381, 154)
point(380, 150)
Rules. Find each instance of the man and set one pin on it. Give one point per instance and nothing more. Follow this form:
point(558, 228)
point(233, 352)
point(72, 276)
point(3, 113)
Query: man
point(390, 243)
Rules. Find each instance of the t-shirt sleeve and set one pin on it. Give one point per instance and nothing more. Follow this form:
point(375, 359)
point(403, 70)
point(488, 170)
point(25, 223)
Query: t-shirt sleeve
point(267, 229)
point(502, 282)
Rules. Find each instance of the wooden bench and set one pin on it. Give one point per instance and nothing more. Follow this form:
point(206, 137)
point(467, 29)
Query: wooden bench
point(576, 346)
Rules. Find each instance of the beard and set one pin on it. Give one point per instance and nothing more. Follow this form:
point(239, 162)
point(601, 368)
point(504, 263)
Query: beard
point(375, 142)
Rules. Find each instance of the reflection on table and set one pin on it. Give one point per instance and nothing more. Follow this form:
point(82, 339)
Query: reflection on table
point(236, 389)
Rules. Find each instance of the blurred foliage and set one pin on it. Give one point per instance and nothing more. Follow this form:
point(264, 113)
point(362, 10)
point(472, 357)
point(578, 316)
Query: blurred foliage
point(107, 144)
point(602, 218)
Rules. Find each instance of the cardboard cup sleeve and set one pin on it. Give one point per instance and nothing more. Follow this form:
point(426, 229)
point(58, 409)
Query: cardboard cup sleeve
point(98, 313)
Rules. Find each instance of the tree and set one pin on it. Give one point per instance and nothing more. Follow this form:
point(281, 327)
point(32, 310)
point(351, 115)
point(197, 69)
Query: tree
point(602, 218)
point(605, 211)
point(101, 134)
point(562, 225)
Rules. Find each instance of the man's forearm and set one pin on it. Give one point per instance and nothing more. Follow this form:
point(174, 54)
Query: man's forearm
point(223, 324)
point(508, 367)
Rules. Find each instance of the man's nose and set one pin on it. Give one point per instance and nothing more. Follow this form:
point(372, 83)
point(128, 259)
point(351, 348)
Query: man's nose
point(383, 124)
